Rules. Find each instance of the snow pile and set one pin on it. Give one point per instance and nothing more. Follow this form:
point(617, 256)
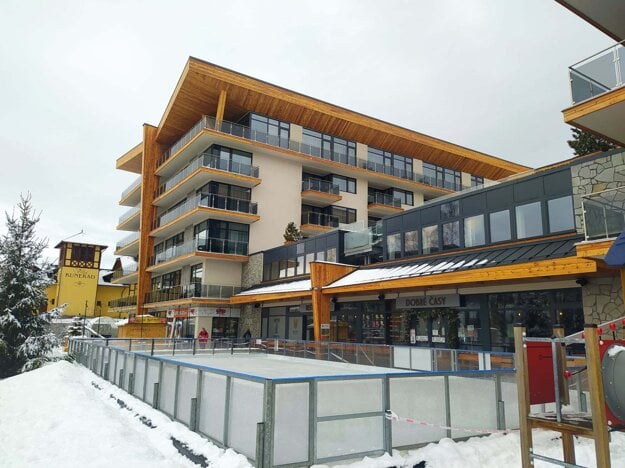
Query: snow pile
point(64, 415)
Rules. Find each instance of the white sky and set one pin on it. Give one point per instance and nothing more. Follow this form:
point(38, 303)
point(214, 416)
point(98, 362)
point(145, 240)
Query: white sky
point(79, 78)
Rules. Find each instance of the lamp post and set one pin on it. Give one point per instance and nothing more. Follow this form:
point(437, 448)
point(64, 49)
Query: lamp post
point(84, 317)
point(99, 309)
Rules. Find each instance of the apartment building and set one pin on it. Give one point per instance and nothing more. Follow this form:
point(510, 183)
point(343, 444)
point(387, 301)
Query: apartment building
point(235, 159)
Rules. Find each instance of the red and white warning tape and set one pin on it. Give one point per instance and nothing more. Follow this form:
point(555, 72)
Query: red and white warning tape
point(394, 417)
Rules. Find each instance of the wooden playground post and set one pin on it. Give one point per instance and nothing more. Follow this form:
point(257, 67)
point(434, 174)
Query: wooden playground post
point(523, 391)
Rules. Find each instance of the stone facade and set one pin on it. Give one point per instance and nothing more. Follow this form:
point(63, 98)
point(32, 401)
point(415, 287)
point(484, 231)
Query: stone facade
point(602, 299)
point(596, 175)
point(250, 316)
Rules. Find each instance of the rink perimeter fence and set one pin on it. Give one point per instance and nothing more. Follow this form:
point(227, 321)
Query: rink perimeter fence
point(300, 421)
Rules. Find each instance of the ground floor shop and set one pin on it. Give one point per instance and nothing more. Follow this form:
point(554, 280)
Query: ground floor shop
point(186, 322)
point(466, 321)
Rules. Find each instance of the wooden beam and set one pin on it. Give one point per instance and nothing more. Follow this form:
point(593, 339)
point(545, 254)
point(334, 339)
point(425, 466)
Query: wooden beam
point(599, 103)
point(221, 106)
point(593, 249)
point(272, 297)
point(523, 392)
point(568, 266)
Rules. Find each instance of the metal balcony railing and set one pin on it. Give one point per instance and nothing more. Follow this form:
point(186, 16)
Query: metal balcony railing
point(320, 219)
point(242, 131)
point(319, 185)
point(384, 199)
point(125, 271)
point(136, 183)
point(208, 201)
point(604, 213)
point(210, 244)
point(191, 291)
point(210, 161)
point(129, 214)
point(129, 239)
point(128, 301)
point(598, 74)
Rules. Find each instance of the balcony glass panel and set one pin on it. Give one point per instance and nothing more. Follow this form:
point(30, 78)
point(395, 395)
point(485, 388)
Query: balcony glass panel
point(320, 219)
point(604, 214)
point(210, 244)
point(319, 185)
point(129, 214)
point(209, 201)
point(384, 199)
point(128, 301)
point(598, 74)
point(185, 291)
point(129, 239)
point(131, 187)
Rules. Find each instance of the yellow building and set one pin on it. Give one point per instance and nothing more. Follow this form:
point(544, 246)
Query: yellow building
point(83, 285)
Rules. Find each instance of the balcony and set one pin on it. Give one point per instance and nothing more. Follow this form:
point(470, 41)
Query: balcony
point(364, 241)
point(127, 275)
point(604, 214)
point(202, 207)
point(319, 192)
point(201, 170)
point(128, 246)
point(202, 135)
point(605, 15)
point(131, 196)
point(382, 204)
point(185, 254)
point(123, 303)
point(598, 94)
point(129, 221)
point(191, 291)
point(315, 223)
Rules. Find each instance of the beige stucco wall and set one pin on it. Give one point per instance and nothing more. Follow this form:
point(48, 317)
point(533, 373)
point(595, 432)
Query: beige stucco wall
point(295, 132)
point(222, 273)
point(279, 199)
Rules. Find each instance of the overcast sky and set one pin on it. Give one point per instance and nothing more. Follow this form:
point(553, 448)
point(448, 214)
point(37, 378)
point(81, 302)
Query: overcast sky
point(79, 78)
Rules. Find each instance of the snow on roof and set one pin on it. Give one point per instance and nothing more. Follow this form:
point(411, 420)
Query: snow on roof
point(293, 286)
point(103, 282)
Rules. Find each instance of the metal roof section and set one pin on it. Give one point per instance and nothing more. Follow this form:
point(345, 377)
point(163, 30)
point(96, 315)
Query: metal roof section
point(293, 286)
point(446, 264)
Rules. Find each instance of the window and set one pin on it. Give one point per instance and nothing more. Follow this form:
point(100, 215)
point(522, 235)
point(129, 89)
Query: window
point(221, 236)
point(388, 163)
point(331, 255)
point(411, 243)
point(344, 215)
point(268, 130)
point(561, 214)
point(406, 197)
point(329, 147)
point(451, 235)
point(474, 231)
point(476, 181)
point(529, 221)
point(82, 253)
point(346, 184)
point(450, 210)
point(196, 274)
point(229, 159)
point(500, 226)
point(429, 238)
point(442, 177)
point(393, 246)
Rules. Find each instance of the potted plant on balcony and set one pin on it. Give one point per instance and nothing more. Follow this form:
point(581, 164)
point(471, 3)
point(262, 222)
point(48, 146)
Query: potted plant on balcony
point(291, 233)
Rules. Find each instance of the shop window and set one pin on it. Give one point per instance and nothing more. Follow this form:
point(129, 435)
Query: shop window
point(529, 222)
point(393, 246)
point(411, 243)
point(474, 231)
point(500, 226)
point(451, 235)
point(429, 239)
point(561, 214)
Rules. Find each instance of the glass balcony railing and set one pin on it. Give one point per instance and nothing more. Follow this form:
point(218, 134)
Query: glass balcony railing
point(242, 131)
point(604, 214)
point(598, 74)
point(320, 219)
point(194, 290)
point(319, 185)
point(129, 239)
point(210, 244)
point(128, 301)
point(208, 201)
point(210, 161)
point(357, 242)
point(384, 199)
point(129, 214)
point(125, 271)
point(136, 183)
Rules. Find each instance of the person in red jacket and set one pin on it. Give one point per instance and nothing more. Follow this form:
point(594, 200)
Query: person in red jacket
point(202, 337)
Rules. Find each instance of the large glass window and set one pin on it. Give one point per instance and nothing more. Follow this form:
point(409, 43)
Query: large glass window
point(235, 158)
point(476, 181)
point(429, 239)
point(268, 130)
point(561, 214)
point(439, 176)
point(451, 235)
point(329, 147)
point(500, 226)
point(529, 221)
point(474, 231)
point(346, 184)
point(406, 197)
point(388, 163)
point(411, 243)
point(222, 237)
point(344, 215)
point(393, 246)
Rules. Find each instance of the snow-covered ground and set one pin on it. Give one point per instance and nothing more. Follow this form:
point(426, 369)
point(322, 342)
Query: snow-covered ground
point(64, 415)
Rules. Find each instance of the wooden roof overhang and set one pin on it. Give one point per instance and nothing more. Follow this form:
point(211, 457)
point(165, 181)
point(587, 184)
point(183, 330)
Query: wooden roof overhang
point(548, 270)
point(270, 297)
point(201, 83)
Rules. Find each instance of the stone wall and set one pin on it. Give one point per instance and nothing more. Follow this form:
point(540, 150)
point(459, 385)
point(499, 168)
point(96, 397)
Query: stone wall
point(594, 175)
point(250, 316)
point(602, 299)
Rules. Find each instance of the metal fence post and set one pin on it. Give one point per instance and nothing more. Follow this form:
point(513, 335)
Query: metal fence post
point(387, 423)
point(447, 406)
point(312, 422)
point(173, 348)
point(152, 348)
point(131, 383)
point(155, 396)
point(130, 344)
point(227, 411)
point(268, 416)
point(260, 446)
point(501, 406)
point(193, 415)
point(194, 345)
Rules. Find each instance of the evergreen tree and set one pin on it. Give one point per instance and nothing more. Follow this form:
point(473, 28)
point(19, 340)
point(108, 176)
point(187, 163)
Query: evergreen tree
point(291, 233)
point(584, 143)
point(24, 340)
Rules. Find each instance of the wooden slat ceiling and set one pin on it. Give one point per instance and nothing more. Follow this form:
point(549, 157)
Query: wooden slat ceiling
point(198, 91)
